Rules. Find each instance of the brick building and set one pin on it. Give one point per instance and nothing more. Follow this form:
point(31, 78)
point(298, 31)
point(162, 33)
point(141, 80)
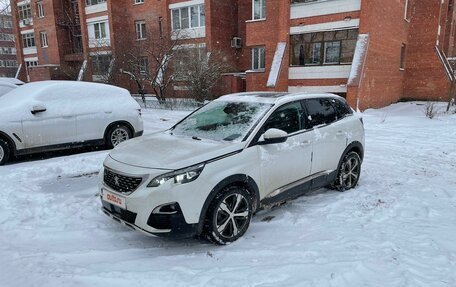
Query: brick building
point(373, 52)
point(8, 60)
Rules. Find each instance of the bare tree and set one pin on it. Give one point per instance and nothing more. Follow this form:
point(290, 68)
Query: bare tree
point(148, 61)
point(202, 71)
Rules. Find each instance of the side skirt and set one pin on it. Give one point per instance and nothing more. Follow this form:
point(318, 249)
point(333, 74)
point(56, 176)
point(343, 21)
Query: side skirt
point(299, 188)
point(59, 147)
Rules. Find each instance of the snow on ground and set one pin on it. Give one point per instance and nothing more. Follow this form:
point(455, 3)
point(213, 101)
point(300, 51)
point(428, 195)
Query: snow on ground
point(397, 228)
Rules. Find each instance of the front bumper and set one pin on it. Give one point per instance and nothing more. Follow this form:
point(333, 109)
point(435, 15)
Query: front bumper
point(163, 225)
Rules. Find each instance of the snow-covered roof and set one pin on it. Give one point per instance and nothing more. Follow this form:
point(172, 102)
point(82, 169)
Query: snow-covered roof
point(13, 81)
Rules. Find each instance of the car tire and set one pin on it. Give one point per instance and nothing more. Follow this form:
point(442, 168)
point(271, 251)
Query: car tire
point(349, 172)
point(4, 152)
point(117, 134)
point(229, 215)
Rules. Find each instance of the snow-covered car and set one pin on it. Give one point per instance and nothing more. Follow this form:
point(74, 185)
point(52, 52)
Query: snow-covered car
point(6, 87)
point(54, 115)
point(209, 173)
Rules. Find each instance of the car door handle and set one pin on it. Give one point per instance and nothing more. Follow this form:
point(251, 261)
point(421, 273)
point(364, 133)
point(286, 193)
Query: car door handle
point(67, 117)
point(108, 112)
point(307, 142)
point(340, 133)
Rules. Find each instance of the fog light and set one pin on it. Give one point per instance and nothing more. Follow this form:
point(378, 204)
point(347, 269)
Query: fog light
point(169, 208)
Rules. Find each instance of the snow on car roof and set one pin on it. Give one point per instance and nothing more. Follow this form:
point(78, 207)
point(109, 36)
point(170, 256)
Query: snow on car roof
point(272, 97)
point(39, 90)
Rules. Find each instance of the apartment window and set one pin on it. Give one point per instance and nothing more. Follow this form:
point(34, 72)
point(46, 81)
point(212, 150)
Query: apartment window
point(25, 11)
point(94, 2)
point(6, 24)
point(28, 40)
point(8, 63)
point(7, 51)
point(31, 63)
point(140, 30)
point(323, 48)
point(160, 26)
point(101, 64)
point(44, 39)
point(40, 9)
point(188, 17)
point(6, 37)
point(100, 30)
point(259, 9)
point(402, 63)
point(139, 1)
point(258, 58)
point(143, 66)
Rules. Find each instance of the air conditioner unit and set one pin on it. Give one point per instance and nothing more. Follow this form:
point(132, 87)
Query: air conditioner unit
point(236, 42)
point(26, 22)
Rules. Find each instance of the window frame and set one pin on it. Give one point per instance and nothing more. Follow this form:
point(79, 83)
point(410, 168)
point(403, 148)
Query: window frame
point(261, 58)
point(44, 39)
point(94, 2)
point(25, 11)
point(262, 11)
point(141, 30)
point(40, 9)
point(28, 40)
point(177, 12)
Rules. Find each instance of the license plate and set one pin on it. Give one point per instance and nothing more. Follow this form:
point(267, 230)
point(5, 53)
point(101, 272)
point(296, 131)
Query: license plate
point(114, 199)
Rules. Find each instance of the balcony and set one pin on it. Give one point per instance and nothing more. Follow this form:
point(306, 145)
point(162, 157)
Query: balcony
point(301, 9)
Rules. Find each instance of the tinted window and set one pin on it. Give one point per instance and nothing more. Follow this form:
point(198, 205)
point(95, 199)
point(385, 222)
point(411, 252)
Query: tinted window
point(342, 108)
point(288, 117)
point(319, 112)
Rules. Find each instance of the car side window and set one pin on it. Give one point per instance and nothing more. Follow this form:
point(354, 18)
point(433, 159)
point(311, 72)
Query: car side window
point(288, 118)
point(342, 108)
point(319, 112)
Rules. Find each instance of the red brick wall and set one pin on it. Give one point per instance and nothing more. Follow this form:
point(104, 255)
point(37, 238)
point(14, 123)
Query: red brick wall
point(425, 76)
point(382, 82)
point(274, 29)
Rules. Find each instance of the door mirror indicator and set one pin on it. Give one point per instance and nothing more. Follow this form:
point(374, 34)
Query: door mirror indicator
point(274, 136)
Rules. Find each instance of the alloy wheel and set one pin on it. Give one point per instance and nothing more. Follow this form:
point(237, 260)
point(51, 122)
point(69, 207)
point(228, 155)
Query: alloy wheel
point(2, 153)
point(119, 135)
point(349, 172)
point(233, 215)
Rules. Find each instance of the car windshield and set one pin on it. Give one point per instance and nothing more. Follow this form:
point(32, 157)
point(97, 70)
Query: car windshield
point(222, 120)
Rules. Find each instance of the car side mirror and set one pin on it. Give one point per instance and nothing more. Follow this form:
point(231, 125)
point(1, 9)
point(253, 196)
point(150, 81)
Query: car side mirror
point(37, 109)
point(274, 136)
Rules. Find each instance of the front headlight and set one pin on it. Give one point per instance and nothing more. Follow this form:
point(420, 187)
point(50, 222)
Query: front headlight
point(180, 176)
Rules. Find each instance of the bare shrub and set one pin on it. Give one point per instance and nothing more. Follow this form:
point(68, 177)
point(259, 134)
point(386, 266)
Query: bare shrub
point(430, 110)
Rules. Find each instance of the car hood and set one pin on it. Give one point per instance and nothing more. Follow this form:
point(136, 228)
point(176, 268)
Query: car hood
point(166, 151)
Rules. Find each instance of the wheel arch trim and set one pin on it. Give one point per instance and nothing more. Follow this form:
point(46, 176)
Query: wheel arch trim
point(9, 140)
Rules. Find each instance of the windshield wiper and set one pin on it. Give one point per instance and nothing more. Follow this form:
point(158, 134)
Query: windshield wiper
point(196, 138)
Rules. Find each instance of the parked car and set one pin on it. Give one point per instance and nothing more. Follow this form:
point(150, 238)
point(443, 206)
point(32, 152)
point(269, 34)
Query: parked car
point(6, 87)
point(54, 115)
point(209, 173)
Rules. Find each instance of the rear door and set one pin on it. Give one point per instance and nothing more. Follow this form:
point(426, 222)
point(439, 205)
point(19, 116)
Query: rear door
point(329, 134)
point(285, 163)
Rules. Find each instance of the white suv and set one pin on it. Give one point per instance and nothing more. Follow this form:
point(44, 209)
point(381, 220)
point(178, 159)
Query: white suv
point(209, 173)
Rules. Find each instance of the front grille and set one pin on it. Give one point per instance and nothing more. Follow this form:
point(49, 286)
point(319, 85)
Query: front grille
point(121, 183)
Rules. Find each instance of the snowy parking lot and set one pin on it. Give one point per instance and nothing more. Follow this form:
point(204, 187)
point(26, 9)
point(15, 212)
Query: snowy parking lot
point(397, 228)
